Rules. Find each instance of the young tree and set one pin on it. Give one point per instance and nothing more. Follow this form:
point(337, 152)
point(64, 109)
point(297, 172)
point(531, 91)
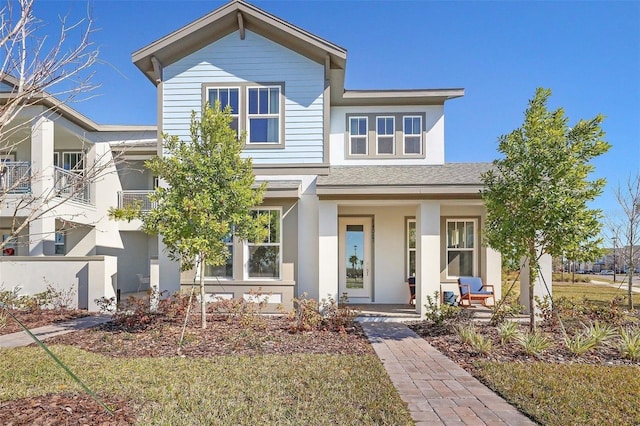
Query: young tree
point(627, 229)
point(209, 196)
point(536, 195)
point(48, 69)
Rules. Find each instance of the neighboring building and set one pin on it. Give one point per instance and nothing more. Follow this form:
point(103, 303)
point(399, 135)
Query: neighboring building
point(357, 183)
point(73, 246)
point(359, 194)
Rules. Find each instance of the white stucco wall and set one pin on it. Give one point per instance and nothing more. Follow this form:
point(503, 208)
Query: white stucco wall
point(434, 135)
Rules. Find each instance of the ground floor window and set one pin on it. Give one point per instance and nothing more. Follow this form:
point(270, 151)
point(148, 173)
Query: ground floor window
point(256, 259)
point(411, 248)
point(461, 248)
point(222, 271)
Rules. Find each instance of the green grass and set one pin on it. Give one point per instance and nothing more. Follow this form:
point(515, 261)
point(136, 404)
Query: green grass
point(568, 394)
point(596, 293)
point(292, 389)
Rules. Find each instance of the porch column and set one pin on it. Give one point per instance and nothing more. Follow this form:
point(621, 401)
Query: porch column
point(42, 230)
point(539, 288)
point(327, 250)
point(428, 252)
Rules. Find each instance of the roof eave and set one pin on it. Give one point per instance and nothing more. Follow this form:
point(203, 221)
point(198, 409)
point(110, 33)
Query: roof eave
point(397, 97)
point(224, 21)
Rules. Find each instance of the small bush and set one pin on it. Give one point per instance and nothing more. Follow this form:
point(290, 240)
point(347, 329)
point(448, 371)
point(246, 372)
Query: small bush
point(508, 331)
point(308, 315)
point(580, 344)
point(481, 344)
point(441, 313)
point(534, 344)
point(599, 332)
point(629, 345)
point(466, 332)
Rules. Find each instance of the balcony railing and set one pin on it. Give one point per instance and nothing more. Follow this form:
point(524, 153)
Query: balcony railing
point(15, 177)
point(130, 198)
point(72, 185)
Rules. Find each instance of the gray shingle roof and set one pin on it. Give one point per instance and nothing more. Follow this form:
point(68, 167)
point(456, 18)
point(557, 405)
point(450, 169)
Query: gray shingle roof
point(455, 174)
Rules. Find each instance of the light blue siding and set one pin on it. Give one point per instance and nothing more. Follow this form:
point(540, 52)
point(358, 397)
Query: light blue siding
point(254, 59)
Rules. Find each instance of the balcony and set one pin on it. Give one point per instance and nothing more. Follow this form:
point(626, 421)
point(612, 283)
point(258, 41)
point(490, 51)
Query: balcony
point(71, 185)
point(127, 199)
point(15, 178)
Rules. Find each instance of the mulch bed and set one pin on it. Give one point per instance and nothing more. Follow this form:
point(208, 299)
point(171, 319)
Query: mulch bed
point(37, 318)
point(66, 409)
point(446, 341)
point(249, 337)
point(264, 335)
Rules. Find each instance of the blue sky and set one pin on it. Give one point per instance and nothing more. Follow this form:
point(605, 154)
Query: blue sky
point(588, 53)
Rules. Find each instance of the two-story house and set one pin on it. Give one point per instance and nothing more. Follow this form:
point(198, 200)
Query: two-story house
point(359, 194)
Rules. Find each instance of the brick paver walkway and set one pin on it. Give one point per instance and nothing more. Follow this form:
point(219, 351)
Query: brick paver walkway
point(437, 390)
point(23, 339)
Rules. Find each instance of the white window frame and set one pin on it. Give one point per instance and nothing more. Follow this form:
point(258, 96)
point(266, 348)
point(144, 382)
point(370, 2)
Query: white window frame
point(72, 169)
point(235, 115)
point(277, 115)
point(408, 247)
point(249, 244)
point(473, 250)
point(366, 135)
point(413, 135)
point(386, 135)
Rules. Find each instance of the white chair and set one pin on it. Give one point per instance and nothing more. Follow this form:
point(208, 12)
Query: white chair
point(143, 282)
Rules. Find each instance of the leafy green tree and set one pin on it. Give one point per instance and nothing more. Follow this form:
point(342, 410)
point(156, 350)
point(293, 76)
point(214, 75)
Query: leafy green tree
point(209, 195)
point(536, 195)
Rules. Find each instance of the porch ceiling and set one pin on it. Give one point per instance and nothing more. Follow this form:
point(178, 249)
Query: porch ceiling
point(462, 179)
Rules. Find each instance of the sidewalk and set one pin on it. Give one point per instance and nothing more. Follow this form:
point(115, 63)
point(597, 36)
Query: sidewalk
point(437, 390)
point(23, 339)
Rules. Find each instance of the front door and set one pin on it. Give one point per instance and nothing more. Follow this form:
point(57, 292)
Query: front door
point(355, 257)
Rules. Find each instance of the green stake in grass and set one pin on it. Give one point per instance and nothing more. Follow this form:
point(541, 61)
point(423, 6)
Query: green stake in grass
point(57, 360)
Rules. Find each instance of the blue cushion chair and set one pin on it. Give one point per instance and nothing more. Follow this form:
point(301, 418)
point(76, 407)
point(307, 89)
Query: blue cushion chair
point(472, 288)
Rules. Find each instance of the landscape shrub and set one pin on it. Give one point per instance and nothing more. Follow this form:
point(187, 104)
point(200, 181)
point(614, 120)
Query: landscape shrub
point(534, 344)
point(629, 345)
point(508, 331)
point(508, 307)
point(443, 314)
point(309, 315)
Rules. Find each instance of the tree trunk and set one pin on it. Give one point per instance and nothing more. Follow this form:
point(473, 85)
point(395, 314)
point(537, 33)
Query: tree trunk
point(630, 272)
point(203, 302)
point(533, 272)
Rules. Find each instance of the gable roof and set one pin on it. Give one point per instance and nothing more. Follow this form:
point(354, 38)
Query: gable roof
point(235, 15)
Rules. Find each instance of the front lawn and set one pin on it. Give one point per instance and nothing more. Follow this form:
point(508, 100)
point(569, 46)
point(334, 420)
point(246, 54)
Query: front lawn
point(271, 389)
point(243, 369)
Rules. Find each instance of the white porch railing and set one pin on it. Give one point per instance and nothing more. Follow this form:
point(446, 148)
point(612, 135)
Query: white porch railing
point(72, 185)
point(15, 177)
point(131, 198)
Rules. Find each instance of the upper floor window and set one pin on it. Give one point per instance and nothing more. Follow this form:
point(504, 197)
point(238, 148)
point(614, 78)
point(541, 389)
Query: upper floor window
point(461, 248)
point(256, 108)
point(264, 114)
point(69, 160)
point(386, 131)
point(358, 140)
point(227, 96)
point(385, 135)
point(412, 134)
